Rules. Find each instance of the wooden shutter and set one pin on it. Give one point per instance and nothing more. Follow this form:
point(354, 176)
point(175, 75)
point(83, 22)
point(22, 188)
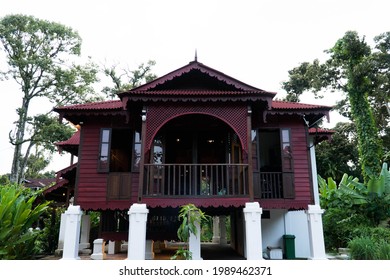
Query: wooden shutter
point(119, 186)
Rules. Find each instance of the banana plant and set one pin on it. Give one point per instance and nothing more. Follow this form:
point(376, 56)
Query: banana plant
point(348, 192)
point(373, 198)
point(380, 185)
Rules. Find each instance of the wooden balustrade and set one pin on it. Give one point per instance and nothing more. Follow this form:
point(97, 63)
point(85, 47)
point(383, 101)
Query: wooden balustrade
point(196, 180)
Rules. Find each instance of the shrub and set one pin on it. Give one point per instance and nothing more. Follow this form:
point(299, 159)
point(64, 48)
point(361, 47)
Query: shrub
point(18, 214)
point(362, 248)
point(366, 248)
point(47, 241)
point(383, 250)
point(340, 226)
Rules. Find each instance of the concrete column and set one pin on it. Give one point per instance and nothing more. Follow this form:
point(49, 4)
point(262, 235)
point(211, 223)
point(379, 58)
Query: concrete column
point(72, 233)
point(149, 254)
point(85, 230)
point(314, 171)
point(113, 247)
point(98, 250)
point(254, 248)
point(194, 243)
point(222, 230)
point(316, 233)
point(216, 230)
point(138, 214)
point(61, 235)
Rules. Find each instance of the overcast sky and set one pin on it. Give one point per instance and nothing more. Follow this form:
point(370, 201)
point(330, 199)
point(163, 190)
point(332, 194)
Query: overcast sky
point(256, 42)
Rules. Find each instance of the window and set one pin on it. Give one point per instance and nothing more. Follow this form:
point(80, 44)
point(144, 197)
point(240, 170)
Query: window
point(269, 150)
point(276, 178)
point(286, 150)
point(115, 150)
point(103, 163)
point(137, 150)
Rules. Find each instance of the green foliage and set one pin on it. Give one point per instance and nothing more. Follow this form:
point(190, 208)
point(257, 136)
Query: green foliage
point(206, 230)
point(339, 156)
point(128, 79)
point(354, 209)
point(366, 248)
point(347, 193)
point(18, 213)
point(362, 248)
point(39, 56)
point(363, 74)
point(47, 130)
point(47, 241)
point(4, 180)
point(340, 226)
point(377, 234)
point(182, 254)
point(191, 216)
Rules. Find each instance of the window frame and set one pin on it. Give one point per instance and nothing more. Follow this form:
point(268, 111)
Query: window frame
point(104, 167)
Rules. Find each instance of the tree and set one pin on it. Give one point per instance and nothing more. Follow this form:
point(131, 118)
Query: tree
point(128, 79)
point(38, 54)
point(340, 155)
point(353, 68)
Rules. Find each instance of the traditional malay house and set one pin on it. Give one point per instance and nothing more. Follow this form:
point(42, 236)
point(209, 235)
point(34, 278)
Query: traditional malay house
point(197, 135)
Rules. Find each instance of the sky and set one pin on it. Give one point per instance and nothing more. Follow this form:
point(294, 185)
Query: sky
point(254, 41)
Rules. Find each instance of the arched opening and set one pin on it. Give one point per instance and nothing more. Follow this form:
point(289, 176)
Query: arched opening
point(196, 154)
point(196, 138)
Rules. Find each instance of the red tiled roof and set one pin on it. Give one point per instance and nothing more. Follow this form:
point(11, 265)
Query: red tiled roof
point(65, 170)
point(58, 184)
point(42, 182)
point(73, 140)
point(188, 92)
point(285, 105)
point(102, 105)
point(320, 130)
point(197, 66)
point(117, 104)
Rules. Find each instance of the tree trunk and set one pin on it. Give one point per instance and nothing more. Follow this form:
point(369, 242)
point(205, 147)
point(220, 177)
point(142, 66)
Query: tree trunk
point(17, 169)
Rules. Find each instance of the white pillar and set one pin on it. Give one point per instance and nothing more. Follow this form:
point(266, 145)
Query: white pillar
point(222, 230)
point(72, 233)
point(149, 254)
point(98, 250)
point(216, 230)
point(85, 230)
point(316, 233)
point(254, 247)
point(138, 214)
point(314, 171)
point(60, 247)
point(194, 243)
point(113, 247)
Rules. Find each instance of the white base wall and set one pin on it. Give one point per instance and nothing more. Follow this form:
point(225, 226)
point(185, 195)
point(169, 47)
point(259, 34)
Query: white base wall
point(296, 224)
point(283, 222)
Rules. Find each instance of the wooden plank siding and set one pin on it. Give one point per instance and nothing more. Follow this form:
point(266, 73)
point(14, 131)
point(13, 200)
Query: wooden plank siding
point(302, 170)
point(92, 185)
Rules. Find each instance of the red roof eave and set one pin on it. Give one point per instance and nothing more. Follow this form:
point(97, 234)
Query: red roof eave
point(65, 170)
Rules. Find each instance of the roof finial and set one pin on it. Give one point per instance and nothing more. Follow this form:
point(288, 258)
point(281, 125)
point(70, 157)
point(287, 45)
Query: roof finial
point(196, 55)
